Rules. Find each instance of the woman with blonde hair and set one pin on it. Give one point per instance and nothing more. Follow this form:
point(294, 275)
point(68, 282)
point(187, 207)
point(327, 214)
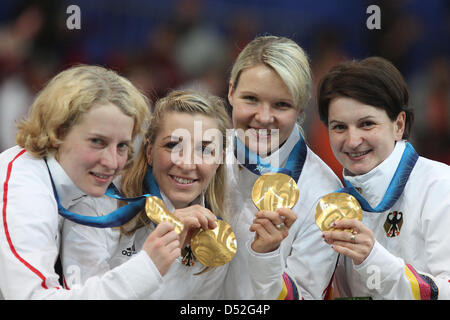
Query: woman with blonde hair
point(77, 138)
point(180, 160)
point(280, 253)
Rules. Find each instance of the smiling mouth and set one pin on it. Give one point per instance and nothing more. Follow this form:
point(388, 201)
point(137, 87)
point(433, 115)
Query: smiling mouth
point(182, 180)
point(263, 130)
point(263, 133)
point(101, 176)
point(357, 154)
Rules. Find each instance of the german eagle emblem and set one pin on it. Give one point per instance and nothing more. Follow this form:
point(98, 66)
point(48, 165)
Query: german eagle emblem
point(393, 224)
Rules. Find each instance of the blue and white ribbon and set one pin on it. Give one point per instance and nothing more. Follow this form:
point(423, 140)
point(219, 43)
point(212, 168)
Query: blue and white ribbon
point(118, 217)
point(258, 166)
point(396, 186)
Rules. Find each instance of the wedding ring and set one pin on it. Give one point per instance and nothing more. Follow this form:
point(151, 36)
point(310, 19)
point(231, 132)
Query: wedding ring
point(279, 226)
point(352, 238)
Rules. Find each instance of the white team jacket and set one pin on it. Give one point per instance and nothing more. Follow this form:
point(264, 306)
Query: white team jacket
point(303, 262)
point(92, 252)
point(30, 236)
point(411, 255)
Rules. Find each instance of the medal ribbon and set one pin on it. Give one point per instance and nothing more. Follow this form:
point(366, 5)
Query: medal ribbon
point(118, 217)
point(258, 166)
point(396, 186)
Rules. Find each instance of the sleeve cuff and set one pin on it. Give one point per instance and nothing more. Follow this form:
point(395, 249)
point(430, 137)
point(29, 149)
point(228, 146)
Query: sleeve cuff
point(265, 265)
point(377, 261)
point(276, 252)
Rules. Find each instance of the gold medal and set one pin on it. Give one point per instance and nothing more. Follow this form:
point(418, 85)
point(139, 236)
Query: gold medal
point(274, 190)
point(214, 247)
point(157, 212)
point(337, 206)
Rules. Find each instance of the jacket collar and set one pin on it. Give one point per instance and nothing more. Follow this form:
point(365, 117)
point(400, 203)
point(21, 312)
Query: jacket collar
point(373, 184)
point(68, 192)
point(279, 157)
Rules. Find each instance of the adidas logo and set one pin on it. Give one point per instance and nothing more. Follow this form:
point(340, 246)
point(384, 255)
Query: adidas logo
point(129, 251)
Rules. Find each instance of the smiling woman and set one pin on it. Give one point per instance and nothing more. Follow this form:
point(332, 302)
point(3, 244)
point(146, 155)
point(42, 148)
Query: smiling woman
point(280, 253)
point(180, 177)
point(365, 107)
point(403, 234)
point(168, 121)
point(180, 161)
point(76, 139)
point(96, 149)
point(362, 136)
point(262, 106)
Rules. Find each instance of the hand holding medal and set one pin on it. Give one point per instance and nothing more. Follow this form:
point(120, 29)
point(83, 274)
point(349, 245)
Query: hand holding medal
point(337, 212)
point(157, 213)
point(212, 247)
point(274, 194)
point(336, 206)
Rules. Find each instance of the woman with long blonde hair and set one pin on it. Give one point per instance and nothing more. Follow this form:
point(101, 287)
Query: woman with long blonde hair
point(181, 160)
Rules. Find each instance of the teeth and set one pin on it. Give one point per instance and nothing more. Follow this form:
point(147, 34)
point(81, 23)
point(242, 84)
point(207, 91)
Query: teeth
point(182, 180)
point(100, 176)
point(265, 132)
point(359, 154)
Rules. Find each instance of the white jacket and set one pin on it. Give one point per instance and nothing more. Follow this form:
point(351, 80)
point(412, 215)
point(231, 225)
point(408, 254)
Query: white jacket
point(303, 262)
point(414, 262)
point(92, 252)
point(30, 236)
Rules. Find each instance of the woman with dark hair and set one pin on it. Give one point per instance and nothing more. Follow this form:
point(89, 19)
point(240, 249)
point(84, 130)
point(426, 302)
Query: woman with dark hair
point(400, 249)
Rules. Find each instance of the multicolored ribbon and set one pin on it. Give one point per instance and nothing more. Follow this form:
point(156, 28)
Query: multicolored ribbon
point(422, 286)
point(289, 290)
